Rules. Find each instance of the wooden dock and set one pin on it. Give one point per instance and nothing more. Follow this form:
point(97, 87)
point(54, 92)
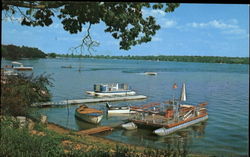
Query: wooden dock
point(88, 100)
point(94, 130)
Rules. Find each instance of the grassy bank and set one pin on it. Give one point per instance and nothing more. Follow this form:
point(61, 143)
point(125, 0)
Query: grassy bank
point(52, 140)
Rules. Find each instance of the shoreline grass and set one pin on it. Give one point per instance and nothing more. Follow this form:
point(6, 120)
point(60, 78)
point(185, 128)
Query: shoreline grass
point(53, 140)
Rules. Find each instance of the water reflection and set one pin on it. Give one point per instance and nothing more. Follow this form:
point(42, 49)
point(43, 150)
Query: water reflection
point(178, 143)
point(82, 125)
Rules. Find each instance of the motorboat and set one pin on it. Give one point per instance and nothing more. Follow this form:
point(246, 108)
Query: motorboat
point(20, 67)
point(150, 73)
point(118, 109)
point(114, 89)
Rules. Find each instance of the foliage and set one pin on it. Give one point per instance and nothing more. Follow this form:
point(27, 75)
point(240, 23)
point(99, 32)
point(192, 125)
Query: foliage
point(202, 59)
point(16, 52)
point(52, 55)
point(124, 20)
point(20, 142)
point(18, 92)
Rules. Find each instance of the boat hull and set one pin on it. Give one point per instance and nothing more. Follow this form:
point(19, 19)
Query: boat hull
point(103, 94)
point(23, 68)
point(165, 131)
point(150, 73)
point(114, 93)
point(89, 118)
point(129, 126)
point(120, 111)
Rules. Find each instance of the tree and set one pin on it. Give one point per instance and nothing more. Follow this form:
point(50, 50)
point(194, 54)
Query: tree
point(124, 20)
point(52, 55)
point(15, 52)
point(18, 92)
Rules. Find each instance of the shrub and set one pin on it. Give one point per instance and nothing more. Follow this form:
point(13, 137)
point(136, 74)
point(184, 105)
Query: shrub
point(20, 91)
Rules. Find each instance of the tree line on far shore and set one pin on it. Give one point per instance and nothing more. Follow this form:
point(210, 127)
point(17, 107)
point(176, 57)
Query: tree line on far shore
point(15, 52)
point(201, 59)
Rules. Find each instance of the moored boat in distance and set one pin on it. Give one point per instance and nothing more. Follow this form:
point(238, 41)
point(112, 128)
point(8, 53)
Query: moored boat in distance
point(90, 115)
point(114, 89)
point(21, 67)
point(150, 73)
point(68, 66)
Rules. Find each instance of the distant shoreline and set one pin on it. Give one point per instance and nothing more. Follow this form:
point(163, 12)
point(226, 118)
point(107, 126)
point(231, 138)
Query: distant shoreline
point(12, 52)
point(197, 59)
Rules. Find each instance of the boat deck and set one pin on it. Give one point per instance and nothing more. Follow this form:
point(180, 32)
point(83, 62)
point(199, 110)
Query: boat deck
point(95, 130)
point(161, 121)
point(152, 120)
point(88, 110)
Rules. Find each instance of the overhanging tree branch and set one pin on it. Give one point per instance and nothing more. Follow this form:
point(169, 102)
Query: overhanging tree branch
point(124, 20)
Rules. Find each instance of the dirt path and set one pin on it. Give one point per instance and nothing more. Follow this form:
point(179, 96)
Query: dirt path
point(57, 128)
point(88, 142)
point(91, 140)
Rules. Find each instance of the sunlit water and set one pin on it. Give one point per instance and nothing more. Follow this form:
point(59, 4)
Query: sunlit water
point(224, 86)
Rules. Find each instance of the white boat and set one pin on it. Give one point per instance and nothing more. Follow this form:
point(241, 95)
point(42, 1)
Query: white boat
point(90, 115)
point(115, 89)
point(115, 93)
point(118, 109)
point(129, 126)
point(150, 73)
point(21, 67)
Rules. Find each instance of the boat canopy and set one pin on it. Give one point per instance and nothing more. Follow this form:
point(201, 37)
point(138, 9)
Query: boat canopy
point(17, 63)
point(183, 96)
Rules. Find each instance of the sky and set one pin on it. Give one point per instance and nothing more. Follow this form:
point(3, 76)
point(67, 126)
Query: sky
point(192, 29)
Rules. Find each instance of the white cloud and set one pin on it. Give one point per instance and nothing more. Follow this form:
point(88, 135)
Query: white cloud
point(160, 17)
point(168, 23)
point(235, 31)
point(212, 24)
point(231, 27)
point(156, 39)
point(221, 25)
point(154, 13)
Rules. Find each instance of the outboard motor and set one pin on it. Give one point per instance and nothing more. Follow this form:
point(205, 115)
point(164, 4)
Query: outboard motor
point(107, 105)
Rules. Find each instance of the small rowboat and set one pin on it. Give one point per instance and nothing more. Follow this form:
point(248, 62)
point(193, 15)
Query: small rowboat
point(90, 115)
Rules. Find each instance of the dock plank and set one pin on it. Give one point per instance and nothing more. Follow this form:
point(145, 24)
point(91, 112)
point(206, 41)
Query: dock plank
point(95, 130)
point(87, 100)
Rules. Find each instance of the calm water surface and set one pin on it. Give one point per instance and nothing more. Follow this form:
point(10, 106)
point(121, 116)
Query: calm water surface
point(224, 86)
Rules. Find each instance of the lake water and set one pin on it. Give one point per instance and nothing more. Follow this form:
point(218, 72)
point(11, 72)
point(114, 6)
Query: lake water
point(224, 86)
